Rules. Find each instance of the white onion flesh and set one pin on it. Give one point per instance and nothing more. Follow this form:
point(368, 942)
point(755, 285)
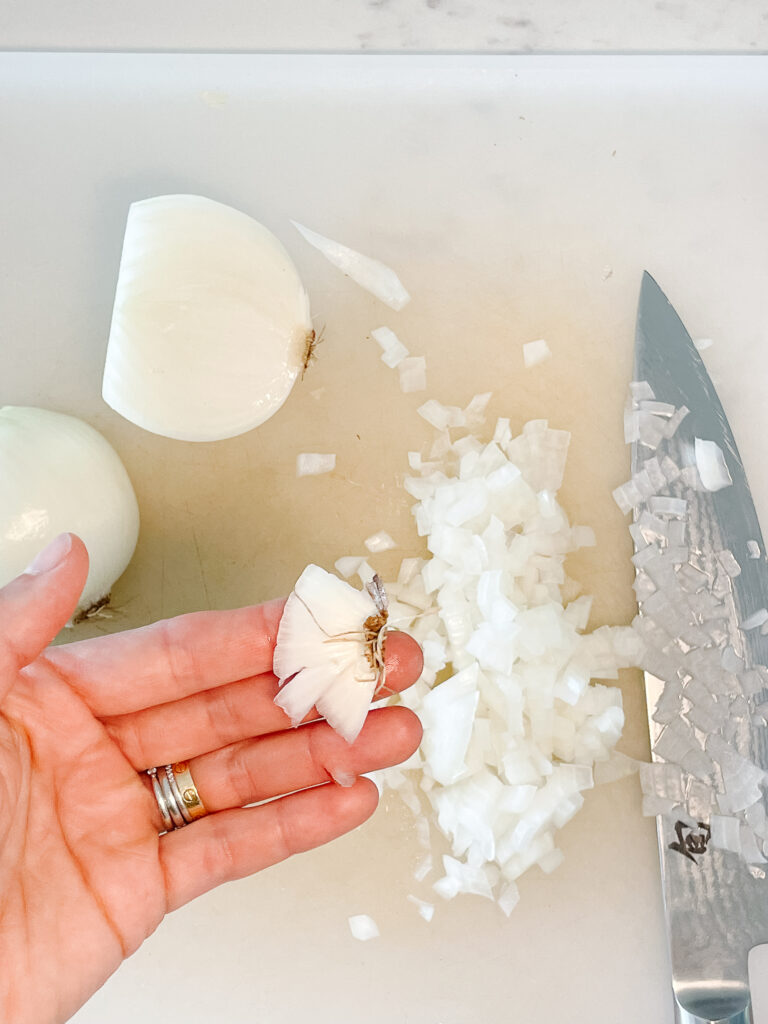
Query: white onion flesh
point(370, 274)
point(710, 463)
point(378, 542)
point(58, 474)
point(321, 656)
point(513, 725)
point(348, 565)
point(413, 374)
point(535, 352)
point(210, 326)
point(425, 909)
point(363, 927)
point(393, 351)
point(315, 463)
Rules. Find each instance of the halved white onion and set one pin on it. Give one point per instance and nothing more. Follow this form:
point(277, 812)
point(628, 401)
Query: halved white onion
point(58, 474)
point(210, 326)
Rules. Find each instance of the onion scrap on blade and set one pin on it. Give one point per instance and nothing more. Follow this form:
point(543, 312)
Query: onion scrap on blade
point(330, 650)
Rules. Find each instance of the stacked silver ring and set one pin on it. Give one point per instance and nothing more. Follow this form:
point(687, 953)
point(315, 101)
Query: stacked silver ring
point(179, 805)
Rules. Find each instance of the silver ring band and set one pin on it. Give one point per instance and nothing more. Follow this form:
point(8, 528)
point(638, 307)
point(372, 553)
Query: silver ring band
point(158, 791)
point(178, 799)
point(176, 794)
point(170, 799)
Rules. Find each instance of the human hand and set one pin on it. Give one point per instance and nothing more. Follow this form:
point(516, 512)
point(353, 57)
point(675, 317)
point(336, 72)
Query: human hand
point(85, 876)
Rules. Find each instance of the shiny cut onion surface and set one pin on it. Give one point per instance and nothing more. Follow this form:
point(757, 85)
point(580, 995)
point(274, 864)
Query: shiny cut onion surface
point(211, 324)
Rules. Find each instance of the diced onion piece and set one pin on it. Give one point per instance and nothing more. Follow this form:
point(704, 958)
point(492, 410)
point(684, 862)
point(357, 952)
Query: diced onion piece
point(210, 326)
point(702, 344)
point(618, 766)
point(725, 833)
point(710, 463)
point(363, 927)
point(447, 716)
point(651, 429)
point(675, 420)
point(535, 352)
point(409, 567)
point(641, 390)
point(657, 408)
point(755, 619)
point(370, 274)
point(441, 416)
point(348, 565)
point(664, 506)
point(426, 910)
point(583, 537)
point(753, 549)
point(314, 463)
point(631, 425)
point(379, 542)
point(509, 897)
point(474, 413)
point(365, 572)
point(502, 435)
point(750, 850)
point(729, 563)
point(393, 351)
point(423, 868)
point(413, 374)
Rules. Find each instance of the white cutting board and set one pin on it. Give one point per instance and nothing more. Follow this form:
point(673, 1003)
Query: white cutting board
point(518, 198)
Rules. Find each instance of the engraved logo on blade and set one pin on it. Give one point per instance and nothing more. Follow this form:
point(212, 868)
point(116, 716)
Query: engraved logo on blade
point(691, 842)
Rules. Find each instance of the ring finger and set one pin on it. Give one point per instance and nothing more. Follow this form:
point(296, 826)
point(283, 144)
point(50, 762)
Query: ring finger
point(254, 770)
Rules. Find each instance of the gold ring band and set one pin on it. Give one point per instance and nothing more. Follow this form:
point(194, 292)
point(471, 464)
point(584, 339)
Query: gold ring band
point(190, 798)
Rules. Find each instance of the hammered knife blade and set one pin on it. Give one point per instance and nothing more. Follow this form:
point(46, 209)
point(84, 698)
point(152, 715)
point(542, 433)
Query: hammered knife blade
point(705, 578)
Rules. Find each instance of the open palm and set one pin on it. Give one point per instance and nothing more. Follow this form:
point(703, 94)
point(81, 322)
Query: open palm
point(85, 876)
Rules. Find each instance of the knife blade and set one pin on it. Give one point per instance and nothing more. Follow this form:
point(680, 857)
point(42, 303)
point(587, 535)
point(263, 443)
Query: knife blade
point(698, 582)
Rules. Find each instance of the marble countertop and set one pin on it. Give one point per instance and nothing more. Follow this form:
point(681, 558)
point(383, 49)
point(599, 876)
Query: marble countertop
point(399, 25)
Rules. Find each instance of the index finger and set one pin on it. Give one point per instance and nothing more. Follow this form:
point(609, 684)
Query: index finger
point(176, 658)
point(169, 659)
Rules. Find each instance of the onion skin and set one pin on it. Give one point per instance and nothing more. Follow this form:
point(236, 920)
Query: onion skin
point(58, 474)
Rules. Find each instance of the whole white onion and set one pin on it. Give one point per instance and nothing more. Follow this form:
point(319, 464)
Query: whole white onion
point(59, 474)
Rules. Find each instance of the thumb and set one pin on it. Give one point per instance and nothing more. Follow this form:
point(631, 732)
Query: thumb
point(37, 604)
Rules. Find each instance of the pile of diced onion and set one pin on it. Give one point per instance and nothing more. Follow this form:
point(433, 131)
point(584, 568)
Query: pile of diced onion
point(512, 723)
point(514, 728)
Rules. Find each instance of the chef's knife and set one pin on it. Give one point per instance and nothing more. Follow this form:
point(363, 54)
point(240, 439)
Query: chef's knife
point(715, 900)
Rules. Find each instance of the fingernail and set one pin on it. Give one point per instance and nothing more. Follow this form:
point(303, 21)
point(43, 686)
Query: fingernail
point(51, 556)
